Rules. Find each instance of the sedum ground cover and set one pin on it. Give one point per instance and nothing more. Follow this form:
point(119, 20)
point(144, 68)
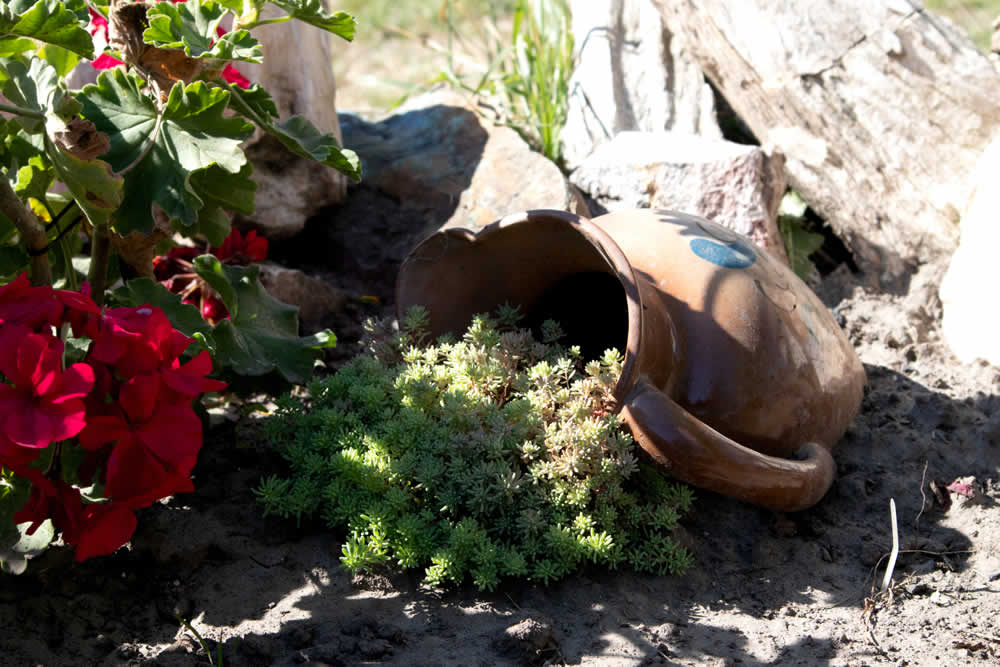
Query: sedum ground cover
point(496, 455)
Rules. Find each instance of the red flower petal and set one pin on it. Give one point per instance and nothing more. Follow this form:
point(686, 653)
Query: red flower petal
point(232, 75)
point(75, 382)
point(173, 435)
point(102, 430)
point(189, 380)
point(107, 528)
point(38, 360)
point(12, 454)
point(104, 61)
point(138, 397)
point(135, 477)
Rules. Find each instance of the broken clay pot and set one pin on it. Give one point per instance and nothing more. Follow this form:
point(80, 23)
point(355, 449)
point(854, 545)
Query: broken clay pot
point(736, 377)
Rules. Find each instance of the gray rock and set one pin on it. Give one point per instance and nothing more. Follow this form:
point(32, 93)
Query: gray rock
point(315, 298)
point(290, 189)
point(736, 185)
point(632, 74)
point(438, 156)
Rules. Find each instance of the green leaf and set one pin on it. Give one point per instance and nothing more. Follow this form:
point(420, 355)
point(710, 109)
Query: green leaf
point(213, 223)
point(257, 101)
point(261, 335)
point(47, 21)
point(300, 136)
point(233, 192)
point(10, 46)
point(192, 26)
point(297, 133)
point(34, 180)
point(63, 60)
point(314, 13)
point(800, 243)
point(32, 87)
point(15, 546)
point(96, 189)
point(192, 134)
point(221, 192)
point(14, 558)
point(13, 260)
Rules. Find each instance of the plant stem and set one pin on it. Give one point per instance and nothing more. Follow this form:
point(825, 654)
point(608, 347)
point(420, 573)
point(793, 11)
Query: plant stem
point(100, 256)
point(21, 111)
point(32, 233)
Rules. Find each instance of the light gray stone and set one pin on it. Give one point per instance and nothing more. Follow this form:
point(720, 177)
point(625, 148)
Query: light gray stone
point(736, 185)
point(632, 74)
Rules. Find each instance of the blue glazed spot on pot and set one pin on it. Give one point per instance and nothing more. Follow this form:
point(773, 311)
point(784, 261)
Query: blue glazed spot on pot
point(733, 255)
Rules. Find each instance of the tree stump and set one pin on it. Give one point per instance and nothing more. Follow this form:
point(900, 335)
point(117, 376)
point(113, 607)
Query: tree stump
point(298, 73)
point(880, 108)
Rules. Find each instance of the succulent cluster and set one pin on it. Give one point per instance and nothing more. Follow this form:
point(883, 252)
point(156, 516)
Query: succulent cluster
point(497, 455)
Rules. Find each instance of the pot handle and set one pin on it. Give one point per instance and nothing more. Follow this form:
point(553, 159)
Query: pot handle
point(690, 450)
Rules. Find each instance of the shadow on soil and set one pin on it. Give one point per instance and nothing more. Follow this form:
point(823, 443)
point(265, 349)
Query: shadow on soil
point(212, 558)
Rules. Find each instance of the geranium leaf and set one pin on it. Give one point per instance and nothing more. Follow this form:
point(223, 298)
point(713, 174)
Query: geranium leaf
point(262, 334)
point(13, 260)
point(213, 224)
point(63, 60)
point(237, 45)
point(14, 558)
point(297, 133)
point(233, 192)
point(10, 46)
point(193, 134)
point(36, 87)
point(300, 136)
point(32, 87)
point(34, 180)
point(47, 21)
point(221, 192)
point(314, 13)
point(96, 189)
point(257, 100)
point(192, 26)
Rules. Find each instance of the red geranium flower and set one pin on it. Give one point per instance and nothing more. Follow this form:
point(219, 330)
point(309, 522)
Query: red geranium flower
point(188, 380)
point(43, 405)
point(232, 75)
point(177, 274)
point(136, 341)
point(106, 528)
point(242, 250)
point(157, 443)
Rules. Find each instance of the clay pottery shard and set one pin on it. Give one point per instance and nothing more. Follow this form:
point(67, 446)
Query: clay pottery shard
point(736, 378)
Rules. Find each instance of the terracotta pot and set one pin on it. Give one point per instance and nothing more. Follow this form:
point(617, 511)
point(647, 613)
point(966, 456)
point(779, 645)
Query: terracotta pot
point(736, 379)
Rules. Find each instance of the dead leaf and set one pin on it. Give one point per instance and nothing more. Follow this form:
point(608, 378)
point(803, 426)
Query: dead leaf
point(81, 139)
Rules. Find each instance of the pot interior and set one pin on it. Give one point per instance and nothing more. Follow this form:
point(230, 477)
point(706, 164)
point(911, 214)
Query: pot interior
point(591, 308)
point(549, 266)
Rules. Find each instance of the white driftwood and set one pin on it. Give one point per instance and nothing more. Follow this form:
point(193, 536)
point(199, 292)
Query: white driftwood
point(631, 74)
point(880, 107)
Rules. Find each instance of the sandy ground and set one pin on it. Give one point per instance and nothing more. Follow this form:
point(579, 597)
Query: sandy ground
point(767, 588)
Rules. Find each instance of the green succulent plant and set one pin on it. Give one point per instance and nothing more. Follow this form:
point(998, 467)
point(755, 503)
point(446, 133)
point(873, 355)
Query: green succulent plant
point(497, 455)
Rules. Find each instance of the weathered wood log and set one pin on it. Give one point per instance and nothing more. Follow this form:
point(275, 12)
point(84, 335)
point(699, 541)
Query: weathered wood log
point(298, 73)
point(880, 108)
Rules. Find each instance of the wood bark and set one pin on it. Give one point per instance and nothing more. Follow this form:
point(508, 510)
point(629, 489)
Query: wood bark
point(880, 108)
point(298, 73)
